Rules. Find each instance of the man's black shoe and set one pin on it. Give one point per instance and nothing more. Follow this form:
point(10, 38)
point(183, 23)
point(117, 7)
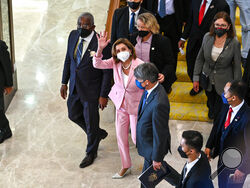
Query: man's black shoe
point(244, 62)
point(169, 90)
point(102, 134)
point(193, 93)
point(88, 160)
point(4, 135)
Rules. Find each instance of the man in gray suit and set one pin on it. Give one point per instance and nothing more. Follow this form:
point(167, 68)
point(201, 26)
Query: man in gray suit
point(152, 132)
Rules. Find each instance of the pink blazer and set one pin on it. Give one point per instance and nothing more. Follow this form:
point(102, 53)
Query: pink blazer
point(129, 96)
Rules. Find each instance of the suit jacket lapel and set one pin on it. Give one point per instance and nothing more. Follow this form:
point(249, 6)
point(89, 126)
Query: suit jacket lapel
point(152, 48)
point(197, 9)
point(75, 41)
point(126, 20)
point(209, 47)
point(140, 105)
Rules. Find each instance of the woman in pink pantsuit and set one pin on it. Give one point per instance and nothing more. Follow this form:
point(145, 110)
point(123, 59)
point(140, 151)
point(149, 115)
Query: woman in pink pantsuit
point(124, 93)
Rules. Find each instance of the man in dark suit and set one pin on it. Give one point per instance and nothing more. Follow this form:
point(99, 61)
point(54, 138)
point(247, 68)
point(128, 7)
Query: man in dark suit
point(124, 19)
point(201, 17)
point(89, 87)
point(232, 130)
point(6, 83)
point(170, 16)
point(152, 131)
point(197, 170)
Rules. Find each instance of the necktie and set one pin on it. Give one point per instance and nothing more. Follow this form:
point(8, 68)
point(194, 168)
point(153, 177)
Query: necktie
point(132, 23)
point(202, 11)
point(162, 9)
point(227, 123)
point(79, 52)
point(145, 98)
point(184, 174)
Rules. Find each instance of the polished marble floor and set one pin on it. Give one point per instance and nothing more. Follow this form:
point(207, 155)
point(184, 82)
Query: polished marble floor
point(46, 148)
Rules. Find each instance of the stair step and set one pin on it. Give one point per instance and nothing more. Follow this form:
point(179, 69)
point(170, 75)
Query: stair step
point(180, 94)
point(181, 72)
point(188, 112)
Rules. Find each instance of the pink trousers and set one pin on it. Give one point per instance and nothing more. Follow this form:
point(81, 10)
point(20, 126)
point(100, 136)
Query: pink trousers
point(123, 121)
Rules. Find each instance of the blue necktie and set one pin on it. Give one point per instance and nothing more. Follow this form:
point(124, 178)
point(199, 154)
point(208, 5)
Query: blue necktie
point(79, 52)
point(132, 23)
point(144, 99)
point(162, 9)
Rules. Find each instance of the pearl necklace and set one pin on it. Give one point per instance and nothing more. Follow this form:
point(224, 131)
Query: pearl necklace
point(127, 66)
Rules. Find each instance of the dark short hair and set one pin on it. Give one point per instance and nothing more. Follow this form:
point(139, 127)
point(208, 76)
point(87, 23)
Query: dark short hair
point(87, 15)
point(225, 17)
point(146, 71)
point(125, 42)
point(193, 139)
point(238, 88)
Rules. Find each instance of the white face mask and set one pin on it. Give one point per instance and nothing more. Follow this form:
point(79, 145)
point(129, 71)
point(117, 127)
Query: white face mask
point(123, 56)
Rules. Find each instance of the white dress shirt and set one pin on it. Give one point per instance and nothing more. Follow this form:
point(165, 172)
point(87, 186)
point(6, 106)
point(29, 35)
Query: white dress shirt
point(235, 110)
point(136, 16)
point(150, 90)
point(85, 42)
point(169, 7)
point(189, 166)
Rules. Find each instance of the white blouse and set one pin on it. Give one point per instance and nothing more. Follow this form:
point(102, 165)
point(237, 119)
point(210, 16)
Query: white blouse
point(125, 79)
point(216, 52)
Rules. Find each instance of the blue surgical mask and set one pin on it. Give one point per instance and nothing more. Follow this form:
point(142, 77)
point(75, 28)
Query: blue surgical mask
point(224, 99)
point(138, 84)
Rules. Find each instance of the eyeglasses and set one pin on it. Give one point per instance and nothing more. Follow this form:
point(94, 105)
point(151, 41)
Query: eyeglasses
point(220, 25)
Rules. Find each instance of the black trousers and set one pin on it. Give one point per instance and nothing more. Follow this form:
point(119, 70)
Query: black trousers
point(86, 115)
point(193, 48)
point(169, 28)
point(147, 163)
point(214, 102)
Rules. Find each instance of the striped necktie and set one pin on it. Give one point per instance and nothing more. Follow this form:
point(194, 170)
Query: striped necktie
point(79, 52)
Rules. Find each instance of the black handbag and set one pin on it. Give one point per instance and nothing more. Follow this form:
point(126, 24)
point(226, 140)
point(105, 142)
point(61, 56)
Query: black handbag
point(204, 80)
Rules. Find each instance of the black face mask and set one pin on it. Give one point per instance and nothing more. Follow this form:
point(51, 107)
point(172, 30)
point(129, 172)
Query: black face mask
point(220, 32)
point(143, 33)
point(84, 32)
point(182, 153)
point(134, 5)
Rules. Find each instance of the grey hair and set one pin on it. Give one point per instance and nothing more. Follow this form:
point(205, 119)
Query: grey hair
point(146, 71)
point(86, 15)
